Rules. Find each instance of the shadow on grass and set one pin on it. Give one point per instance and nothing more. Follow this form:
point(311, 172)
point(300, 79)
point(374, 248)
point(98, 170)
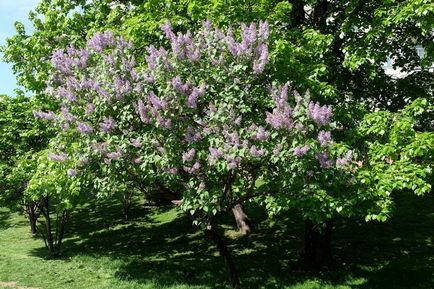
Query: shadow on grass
point(4, 219)
point(161, 245)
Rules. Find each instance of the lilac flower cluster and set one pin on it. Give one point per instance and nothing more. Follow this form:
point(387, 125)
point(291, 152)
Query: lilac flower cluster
point(189, 156)
point(324, 160)
point(64, 63)
point(281, 117)
point(301, 150)
point(107, 124)
point(320, 114)
point(44, 115)
point(345, 160)
point(324, 138)
point(155, 55)
point(61, 157)
point(182, 45)
point(260, 133)
point(254, 151)
point(193, 169)
point(84, 128)
point(114, 155)
point(192, 135)
point(69, 117)
point(253, 44)
point(71, 173)
point(101, 41)
point(135, 142)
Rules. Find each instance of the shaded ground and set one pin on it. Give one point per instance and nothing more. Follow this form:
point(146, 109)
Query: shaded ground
point(160, 248)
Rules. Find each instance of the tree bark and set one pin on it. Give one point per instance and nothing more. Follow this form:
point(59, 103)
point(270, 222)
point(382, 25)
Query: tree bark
point(317, 250)
point(126, 204)
point(243, 222)
point(49, 236)
point(320, 15)
point(61, 232)
point(31, 210)
point(212, 235)
point(298, 14)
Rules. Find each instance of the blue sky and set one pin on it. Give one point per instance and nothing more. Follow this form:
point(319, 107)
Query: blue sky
point(11, 11)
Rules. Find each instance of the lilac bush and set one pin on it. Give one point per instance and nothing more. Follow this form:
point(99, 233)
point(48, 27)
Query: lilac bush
point(203, 114)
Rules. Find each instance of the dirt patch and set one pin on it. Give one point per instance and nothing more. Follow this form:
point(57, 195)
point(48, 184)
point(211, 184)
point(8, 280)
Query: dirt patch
point(14, 285)
point(8, 284)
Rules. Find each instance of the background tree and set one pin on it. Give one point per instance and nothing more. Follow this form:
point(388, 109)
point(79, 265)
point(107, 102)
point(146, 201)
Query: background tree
point(21, 136)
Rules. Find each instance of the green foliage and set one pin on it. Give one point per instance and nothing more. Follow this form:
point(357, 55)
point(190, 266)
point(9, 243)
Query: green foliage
point(399, 157)
point(21, 136)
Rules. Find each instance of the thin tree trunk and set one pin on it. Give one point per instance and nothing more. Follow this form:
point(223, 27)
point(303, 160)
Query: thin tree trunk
point(212, 235)
point(46, 212)
point(126, 206)
point(61, 232)
point(317, 250)
point(31, 210)
point(243, 222)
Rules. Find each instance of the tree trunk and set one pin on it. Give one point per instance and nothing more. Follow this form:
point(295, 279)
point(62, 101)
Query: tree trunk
point(32, 214)
point(317, 250)
point(243, 222)
point(212, 235)
point(49, 236)
point(61, 232)
point(126, 206)
point(298, 14)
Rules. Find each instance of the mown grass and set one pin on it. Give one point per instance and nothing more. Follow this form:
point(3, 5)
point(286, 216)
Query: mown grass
point(159, 248)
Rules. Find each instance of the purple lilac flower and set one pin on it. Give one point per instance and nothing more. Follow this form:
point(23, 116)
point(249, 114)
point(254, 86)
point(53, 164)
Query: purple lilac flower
point(44, 115)
point(156, 102)
point(137, 160)
point(300, 127)
point(323, 159)
point(107, 124)
point(143, 112)
point(64, 93)
point(255, 152)
point(62, 63)
point(149, 78)
point(72, 83)
point(82, 56)
point(261, 62)
point(71, 173)
point(135, 142)
point(90, 107)
point(277, 149)
point(172, 171)
point(281, 117)
point(216, 153)
point(264, 30)
point(319, 114)
point(83, 160)
point(207, 25)
point(188, 156)
point(232, 163)
point(67, 115)
point(101, 40)
point(301, 151)
point(262, 134)
point(192, 98)
point(114, 155)
point(192, 136)
point(345, 160)
point(61, 157)
point(324, 138)
point(84, 128)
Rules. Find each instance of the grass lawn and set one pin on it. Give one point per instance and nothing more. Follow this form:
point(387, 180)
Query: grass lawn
point(160, 248)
